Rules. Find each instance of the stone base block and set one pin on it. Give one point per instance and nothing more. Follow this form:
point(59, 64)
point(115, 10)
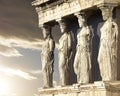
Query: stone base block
point(99, 88)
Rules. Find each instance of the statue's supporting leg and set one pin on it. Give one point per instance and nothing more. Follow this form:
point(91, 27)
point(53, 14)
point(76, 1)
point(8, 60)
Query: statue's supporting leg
point(45, 77)
point(62, 71)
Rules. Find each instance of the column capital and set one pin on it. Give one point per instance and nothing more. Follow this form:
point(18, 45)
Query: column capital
point(107, 10)
point(107, 5)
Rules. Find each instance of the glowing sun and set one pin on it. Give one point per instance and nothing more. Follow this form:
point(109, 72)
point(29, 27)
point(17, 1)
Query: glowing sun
point(4, 87)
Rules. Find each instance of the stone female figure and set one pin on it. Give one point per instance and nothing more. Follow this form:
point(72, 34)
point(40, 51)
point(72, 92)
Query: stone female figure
point(107, 56)
point(47, 57)
point(82, 62)
point(65, 46)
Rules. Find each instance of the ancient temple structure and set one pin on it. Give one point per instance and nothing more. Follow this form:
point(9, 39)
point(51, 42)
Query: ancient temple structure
point(97, 22)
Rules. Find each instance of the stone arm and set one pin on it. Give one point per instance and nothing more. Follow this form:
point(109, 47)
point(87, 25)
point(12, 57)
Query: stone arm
point(70, 46)
point(69, 41)
point(89, 38)
point(60, 47)
point(42, 47)
point(78, 37)
point(115, 30)
point(52, 46)
point(69, 52)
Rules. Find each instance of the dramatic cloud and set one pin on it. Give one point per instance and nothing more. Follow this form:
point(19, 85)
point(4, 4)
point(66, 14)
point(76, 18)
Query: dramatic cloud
point(8, 46)
point(16, 72)
point(18, 27)
point(36, 72)
point(8, 51)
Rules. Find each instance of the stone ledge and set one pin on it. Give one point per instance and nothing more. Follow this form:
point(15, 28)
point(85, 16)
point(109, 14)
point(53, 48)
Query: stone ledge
point(94, 89)
point(68, 8)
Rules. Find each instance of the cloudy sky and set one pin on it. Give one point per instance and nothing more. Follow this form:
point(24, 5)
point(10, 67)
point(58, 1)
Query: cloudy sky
point(20, 43)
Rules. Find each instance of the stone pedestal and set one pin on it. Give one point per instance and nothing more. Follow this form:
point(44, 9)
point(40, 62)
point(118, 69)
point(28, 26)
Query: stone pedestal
point(96, 89)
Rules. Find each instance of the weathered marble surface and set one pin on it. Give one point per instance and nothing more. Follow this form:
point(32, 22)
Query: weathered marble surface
point(47, 57)
point(95, 89)
point(82, 62)
point(107, 56)
point(65, 52)
point(67, 8)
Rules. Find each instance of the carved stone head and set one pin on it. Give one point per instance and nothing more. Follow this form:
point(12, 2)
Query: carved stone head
point(63, 25)
point(46, 29)
point(81, 19)
point(106, 12)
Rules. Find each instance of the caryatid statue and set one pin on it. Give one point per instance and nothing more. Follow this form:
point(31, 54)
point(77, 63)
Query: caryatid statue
point(107, 57)
point(82, 62)
point(47, 56)
point(65, 52)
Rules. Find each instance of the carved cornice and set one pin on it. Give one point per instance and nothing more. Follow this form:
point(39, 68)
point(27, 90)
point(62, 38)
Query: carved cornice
point(60, 8)
point(39, 2)
point(107, 10)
